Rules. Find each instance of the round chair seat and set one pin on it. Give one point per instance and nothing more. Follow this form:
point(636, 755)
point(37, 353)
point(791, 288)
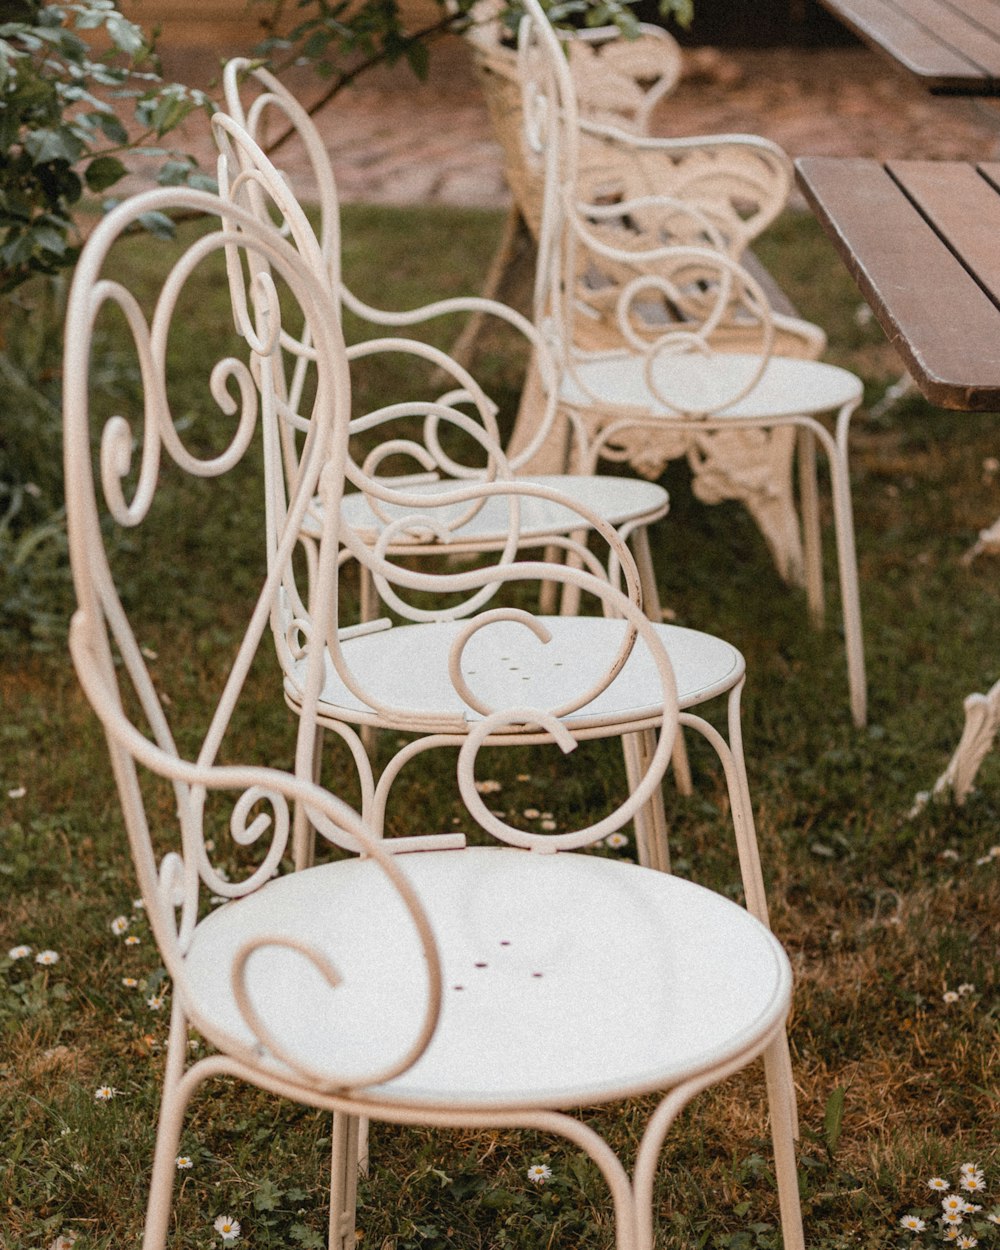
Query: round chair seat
point(703, 384)
point(568, 979)
point(505, 665)
point(616, 500)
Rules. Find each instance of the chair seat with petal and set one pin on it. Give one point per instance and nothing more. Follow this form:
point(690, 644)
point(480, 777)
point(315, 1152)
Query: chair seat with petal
point(542, 982)
point(407, 667)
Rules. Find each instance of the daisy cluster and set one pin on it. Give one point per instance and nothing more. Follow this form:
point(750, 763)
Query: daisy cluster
point(960, 1221)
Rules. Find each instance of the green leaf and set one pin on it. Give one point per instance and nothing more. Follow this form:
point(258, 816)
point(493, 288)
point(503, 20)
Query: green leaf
point(111, 127)
point(418, 58)
point(48, 239)
point(267, 1197)
point(104, 172)
point(833, 1118)
point(125, 34)
point(158, 224)
point(174, 173)
point(61, 144)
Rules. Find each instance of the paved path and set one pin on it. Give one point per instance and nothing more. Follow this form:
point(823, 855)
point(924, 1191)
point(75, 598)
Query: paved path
point(396, 140)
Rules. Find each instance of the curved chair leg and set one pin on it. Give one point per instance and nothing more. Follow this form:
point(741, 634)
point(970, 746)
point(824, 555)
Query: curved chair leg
point(781, 1101)
point(812, 547)
point(650, 822)
point(343, 1181)
point(734, 764)
point(847, 565)
point(659, 1125)
point(178, 1088)
point(549, 594)
point(639, 543)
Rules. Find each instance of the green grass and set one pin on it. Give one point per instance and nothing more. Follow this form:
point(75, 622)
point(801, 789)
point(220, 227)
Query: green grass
point(881, 913)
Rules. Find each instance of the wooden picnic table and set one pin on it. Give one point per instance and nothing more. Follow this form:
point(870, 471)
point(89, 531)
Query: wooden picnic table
point(951, 46)
point(920, 238)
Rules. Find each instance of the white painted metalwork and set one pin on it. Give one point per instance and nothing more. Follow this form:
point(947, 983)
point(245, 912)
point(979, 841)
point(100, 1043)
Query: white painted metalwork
point(489, 986)
point(738, 182)
point(982, 723)
point(409, 678)
point(664, 388)
point(404, 679)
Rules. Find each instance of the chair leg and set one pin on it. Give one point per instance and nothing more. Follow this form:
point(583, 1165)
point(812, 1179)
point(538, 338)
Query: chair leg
point(343, 1182)
point(549, 594)
point(168, 1136)
point(812, 546)
point(847, 565)
point(781, 1101)
point(651, 834)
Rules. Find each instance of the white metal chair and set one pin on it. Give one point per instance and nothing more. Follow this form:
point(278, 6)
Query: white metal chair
point(662, 388)
point(403, 678)
point(503, 985)
point(738, 182)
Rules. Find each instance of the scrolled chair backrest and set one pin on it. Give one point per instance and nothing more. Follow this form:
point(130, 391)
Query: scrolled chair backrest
point(262, 116)
point(626, 263)
point(120, 474)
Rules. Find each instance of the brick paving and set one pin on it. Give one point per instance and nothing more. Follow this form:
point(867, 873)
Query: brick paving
point(396, 140)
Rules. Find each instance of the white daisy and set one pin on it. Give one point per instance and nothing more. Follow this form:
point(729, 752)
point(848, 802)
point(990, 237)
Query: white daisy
point(616, 841)
point(104, 1093)
point(119, 925)
point(132, 940)
point(19, 952)
point(154, 1002)
point(954, 1202)
point(184, 1162)
point(488, 787)
point(938, 1182)
point(967, 1242)
point(913, 1223)
point(47, 958)
point(130, 983)
point(949, 996)
point(539, 1173)
point(227, 1228)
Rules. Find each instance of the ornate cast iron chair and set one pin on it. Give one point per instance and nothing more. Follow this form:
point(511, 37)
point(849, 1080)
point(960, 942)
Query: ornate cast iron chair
point(402, 679)
point(503, 985)
point(661, 387)
point(740, 182)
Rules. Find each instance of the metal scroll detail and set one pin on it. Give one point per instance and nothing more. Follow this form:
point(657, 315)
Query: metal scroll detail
point(982, 720)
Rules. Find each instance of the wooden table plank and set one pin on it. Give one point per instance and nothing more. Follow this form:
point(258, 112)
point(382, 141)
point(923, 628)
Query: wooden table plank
point(963, 208)
point(893, 31)
point(945, 21)
point(945, 328)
